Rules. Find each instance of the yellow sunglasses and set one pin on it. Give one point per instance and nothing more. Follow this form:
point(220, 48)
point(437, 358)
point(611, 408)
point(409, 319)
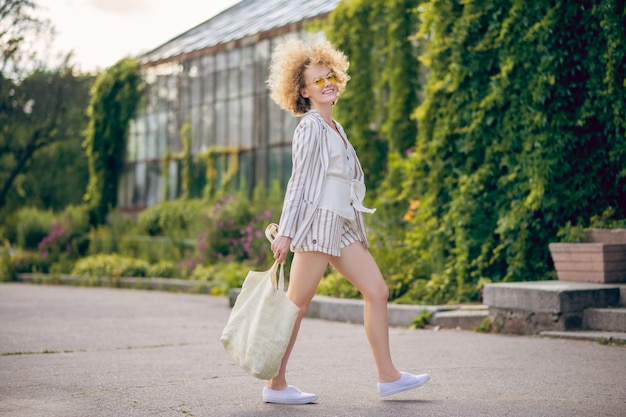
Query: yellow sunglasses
point(321, 81)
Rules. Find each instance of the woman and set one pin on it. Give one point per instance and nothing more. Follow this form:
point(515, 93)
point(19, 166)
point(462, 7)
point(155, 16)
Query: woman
point(322, 218)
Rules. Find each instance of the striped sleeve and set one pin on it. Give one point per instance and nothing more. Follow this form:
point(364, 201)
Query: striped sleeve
point(306, 175)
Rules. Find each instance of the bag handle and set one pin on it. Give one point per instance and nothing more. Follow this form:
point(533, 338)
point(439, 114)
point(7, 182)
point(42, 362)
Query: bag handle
point(281, 277)
point(271, 231)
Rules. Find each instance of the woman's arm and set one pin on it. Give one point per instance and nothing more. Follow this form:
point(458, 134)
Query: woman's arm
point(306, 161)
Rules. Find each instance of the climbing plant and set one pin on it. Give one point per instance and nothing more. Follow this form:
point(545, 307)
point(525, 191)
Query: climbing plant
point(113, 102)
point(384, 69)
point(521, 131)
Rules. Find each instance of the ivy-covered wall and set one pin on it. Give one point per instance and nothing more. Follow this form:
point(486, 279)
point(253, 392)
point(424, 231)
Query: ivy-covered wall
point(522, 130)
point(385, 78)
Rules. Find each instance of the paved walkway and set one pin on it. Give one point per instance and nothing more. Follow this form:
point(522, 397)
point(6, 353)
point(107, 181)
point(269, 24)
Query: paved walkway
point(69, 351)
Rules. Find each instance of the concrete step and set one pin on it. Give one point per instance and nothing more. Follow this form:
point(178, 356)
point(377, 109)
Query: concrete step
point(532, 307)
point(608, 319)
point(459, 319)
point(351, 311)
point(590, 335)
point(400, 315)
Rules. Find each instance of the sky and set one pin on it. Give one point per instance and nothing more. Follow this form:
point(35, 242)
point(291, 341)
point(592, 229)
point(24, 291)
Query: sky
point(101, 32)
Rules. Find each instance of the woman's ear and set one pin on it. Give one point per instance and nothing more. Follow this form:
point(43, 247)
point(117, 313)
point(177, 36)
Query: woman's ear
point(304, 93)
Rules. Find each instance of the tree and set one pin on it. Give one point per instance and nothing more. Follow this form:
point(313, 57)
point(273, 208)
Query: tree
point(19, 28)
point(42, 115)
point(113, 104)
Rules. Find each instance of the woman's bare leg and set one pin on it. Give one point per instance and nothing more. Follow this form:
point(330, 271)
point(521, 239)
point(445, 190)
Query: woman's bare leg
point(306, 272)
point(360, 268)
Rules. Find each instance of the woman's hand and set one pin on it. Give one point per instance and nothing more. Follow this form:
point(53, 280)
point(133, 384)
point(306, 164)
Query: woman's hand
point(280, 248)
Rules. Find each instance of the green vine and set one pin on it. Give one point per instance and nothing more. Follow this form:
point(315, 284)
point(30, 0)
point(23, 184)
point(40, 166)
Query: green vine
point(521, 131)
point(187, 159)
point(113, 103)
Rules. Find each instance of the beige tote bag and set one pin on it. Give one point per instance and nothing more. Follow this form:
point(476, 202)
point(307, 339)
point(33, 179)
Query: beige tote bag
point(260, 323)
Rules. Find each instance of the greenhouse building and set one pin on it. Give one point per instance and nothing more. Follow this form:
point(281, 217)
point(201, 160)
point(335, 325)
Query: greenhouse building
point(206, 121)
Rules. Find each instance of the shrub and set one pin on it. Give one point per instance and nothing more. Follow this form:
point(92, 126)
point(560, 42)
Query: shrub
point(6, 265)
point(172, 218)
point(27, 261)
point(221, 277)
point(335, 285)
point(163, 269)
point(33, 225)
point(108, 238)
point(234, 231)
point(63, 265)
point(110, 266)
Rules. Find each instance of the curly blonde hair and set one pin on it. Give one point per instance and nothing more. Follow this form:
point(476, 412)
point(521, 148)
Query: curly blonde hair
point(286, 73)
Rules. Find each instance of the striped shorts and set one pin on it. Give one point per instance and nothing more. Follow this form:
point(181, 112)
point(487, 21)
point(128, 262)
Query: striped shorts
point(329, 233)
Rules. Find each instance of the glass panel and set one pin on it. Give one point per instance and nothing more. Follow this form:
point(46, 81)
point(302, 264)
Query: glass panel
point(262, 54)
point(275, 124)
point(234, 123)
point(219, 172)
point(289, 126)
point(262, 50)
point(220, 123)
point(196, 128)
point(208, 135)
point(140, 185)
point(208, 76)
point(135, 133)
point(234, 74)
point(173, 133)
point(154, 184)
point(275, 164)
point(286, 167)
point(173, 180)
point(198, 178)
point(125, 189)
point(247, 122)
point(260, 166)
point(245, 171)
point(221, 80)
point(261, 120)
point(142, 142)
point(195, 82)
point(220, 85)
point(247, 71)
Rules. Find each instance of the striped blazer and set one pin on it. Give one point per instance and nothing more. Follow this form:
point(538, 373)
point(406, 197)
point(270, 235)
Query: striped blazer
point(310, 160)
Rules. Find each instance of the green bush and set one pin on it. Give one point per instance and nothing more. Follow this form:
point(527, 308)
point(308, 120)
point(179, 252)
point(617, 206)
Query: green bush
point(33, 225)
point(102, 240)
point(27, 261)
point(75, 223)
point(172, 218)
point(521, 131)
point(221, 277)
point(68, 236)
point(110, 266)
point(64, 264)
point(164, 269)
point(333, 284)
point(6, 265)
point(108, 238)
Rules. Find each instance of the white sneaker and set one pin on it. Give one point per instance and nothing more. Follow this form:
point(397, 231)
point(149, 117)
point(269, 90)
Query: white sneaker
point(406, 382)
point(290, 395)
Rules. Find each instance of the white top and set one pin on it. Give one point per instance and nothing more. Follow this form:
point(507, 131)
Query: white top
point(342, 193)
